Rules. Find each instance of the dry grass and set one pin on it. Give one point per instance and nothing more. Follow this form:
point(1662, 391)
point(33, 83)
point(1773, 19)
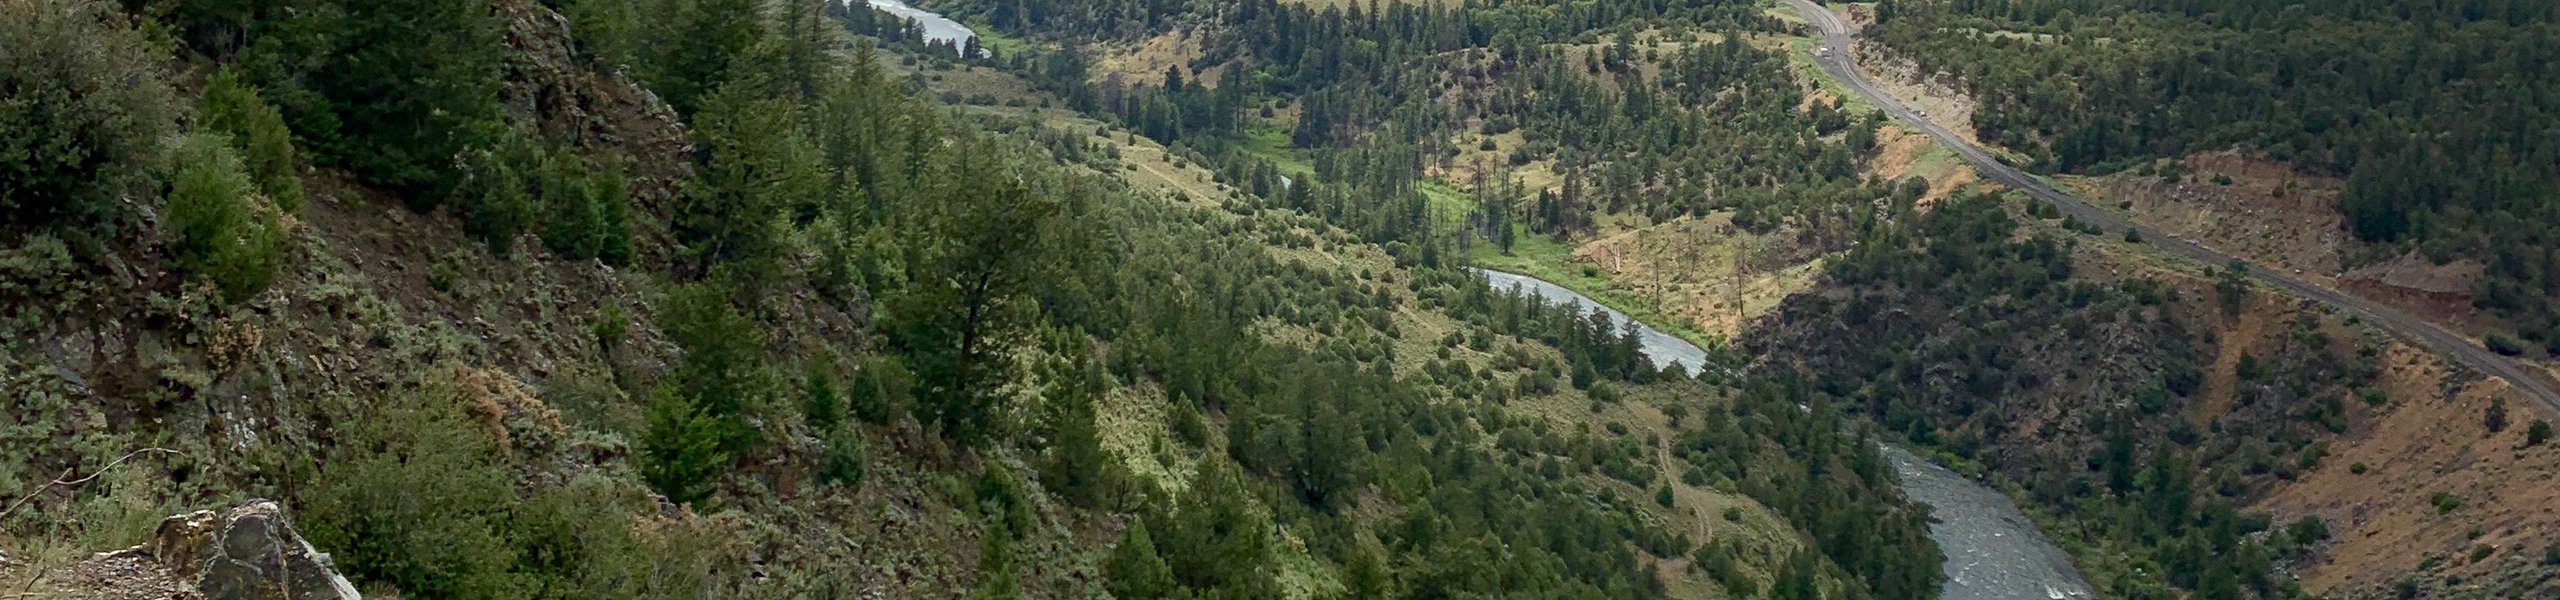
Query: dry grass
point(1145, 62)
point(1902, 153)
point(2429, 441)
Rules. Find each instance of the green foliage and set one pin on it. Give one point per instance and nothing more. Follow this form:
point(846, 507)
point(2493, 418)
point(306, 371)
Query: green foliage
point(821, 408)
point(980, 243)
point(610, 328)
point(585, 210)
point(496, 196)
point(1134, 570)
point(579, 211)
point(1217, 542)
point(1075, 467)
point(2445, 502)
point(846, 460)
point(218, 224)
point(2537, 433)
point(420, 506)
point(1003, 502)
point(2502, 344)
point(696, 47)
point(420, 498)
point(758, 164)
point(415, 85)
point(257, 129)
point(723, 367)
point(608, 31)
point(2231, 287)
point(879, 390)
point(681, 453)
point(2310, 530)
point(84, 111)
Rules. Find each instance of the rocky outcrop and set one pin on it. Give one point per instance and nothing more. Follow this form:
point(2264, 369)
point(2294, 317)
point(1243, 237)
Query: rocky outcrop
point(576, 99)
point(247, 553)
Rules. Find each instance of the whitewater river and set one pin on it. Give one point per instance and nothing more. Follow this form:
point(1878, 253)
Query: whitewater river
point(1993, 552)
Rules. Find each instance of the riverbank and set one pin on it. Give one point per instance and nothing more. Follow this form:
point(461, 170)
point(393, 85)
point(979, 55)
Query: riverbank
point(1993, 551)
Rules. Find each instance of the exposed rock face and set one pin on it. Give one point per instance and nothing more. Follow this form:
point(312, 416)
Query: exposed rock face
point(250, 553)
point(573, 99)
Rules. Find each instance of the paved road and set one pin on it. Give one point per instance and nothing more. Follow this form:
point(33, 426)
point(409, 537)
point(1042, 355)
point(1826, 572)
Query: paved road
point(2459, 348)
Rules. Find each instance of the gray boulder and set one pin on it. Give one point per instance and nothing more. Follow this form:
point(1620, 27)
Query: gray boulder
point(248, 553)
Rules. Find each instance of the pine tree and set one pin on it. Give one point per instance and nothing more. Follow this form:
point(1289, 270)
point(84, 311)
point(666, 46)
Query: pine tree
point(416, 84)
point(700, 49)
point(1135, 570)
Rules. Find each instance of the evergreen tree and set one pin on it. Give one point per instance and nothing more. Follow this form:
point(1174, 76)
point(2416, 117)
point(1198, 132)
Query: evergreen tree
point(415, 85)
point(1135, 571)
point(976, 253)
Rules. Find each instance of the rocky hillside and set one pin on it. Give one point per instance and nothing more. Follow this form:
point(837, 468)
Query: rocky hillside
point(2175, 430)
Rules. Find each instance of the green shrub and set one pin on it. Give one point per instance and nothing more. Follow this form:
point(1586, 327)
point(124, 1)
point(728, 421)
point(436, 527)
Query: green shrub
point(257, 130)
point(2502, 344)
point(1003, 502)
point(879, 389)
point(218, 227)
point(584, 210)
point(421, 499)
point(846, 460)
point(2446, 502)
point(681, 455)
point(83, 112)
point(417, 503)
point(820, 406)
point(494, 196)
point(2537, 433)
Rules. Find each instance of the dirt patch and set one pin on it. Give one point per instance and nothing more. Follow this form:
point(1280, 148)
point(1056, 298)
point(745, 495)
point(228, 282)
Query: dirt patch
point(2259, 211)
point(1939, 94)
point(2415, 284)
point(2431, 440)
point(2247, 331)
point(1145, 62)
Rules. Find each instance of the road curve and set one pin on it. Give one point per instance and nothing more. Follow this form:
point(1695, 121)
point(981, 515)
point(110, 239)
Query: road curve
point(1841, 67)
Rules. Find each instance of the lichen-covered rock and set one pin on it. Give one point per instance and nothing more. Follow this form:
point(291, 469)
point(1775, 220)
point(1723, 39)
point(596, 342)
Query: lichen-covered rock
point(249, 553)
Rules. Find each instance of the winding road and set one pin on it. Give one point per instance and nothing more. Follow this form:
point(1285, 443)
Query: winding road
point(1838, 63)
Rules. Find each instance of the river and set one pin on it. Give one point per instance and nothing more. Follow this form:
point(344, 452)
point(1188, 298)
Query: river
point(1993, 551)
point(937, 28)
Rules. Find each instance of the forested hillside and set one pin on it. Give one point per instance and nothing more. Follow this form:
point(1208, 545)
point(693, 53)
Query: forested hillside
point(696, 298)
point(2149, 417)
point(2436, 114)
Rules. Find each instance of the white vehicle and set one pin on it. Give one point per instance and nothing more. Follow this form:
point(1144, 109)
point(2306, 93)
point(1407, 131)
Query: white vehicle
point(1822, 52)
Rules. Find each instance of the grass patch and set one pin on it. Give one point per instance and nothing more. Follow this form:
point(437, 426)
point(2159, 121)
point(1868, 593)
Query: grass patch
point(1005, 45)
point(1448, 205)
point(1273, 145)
